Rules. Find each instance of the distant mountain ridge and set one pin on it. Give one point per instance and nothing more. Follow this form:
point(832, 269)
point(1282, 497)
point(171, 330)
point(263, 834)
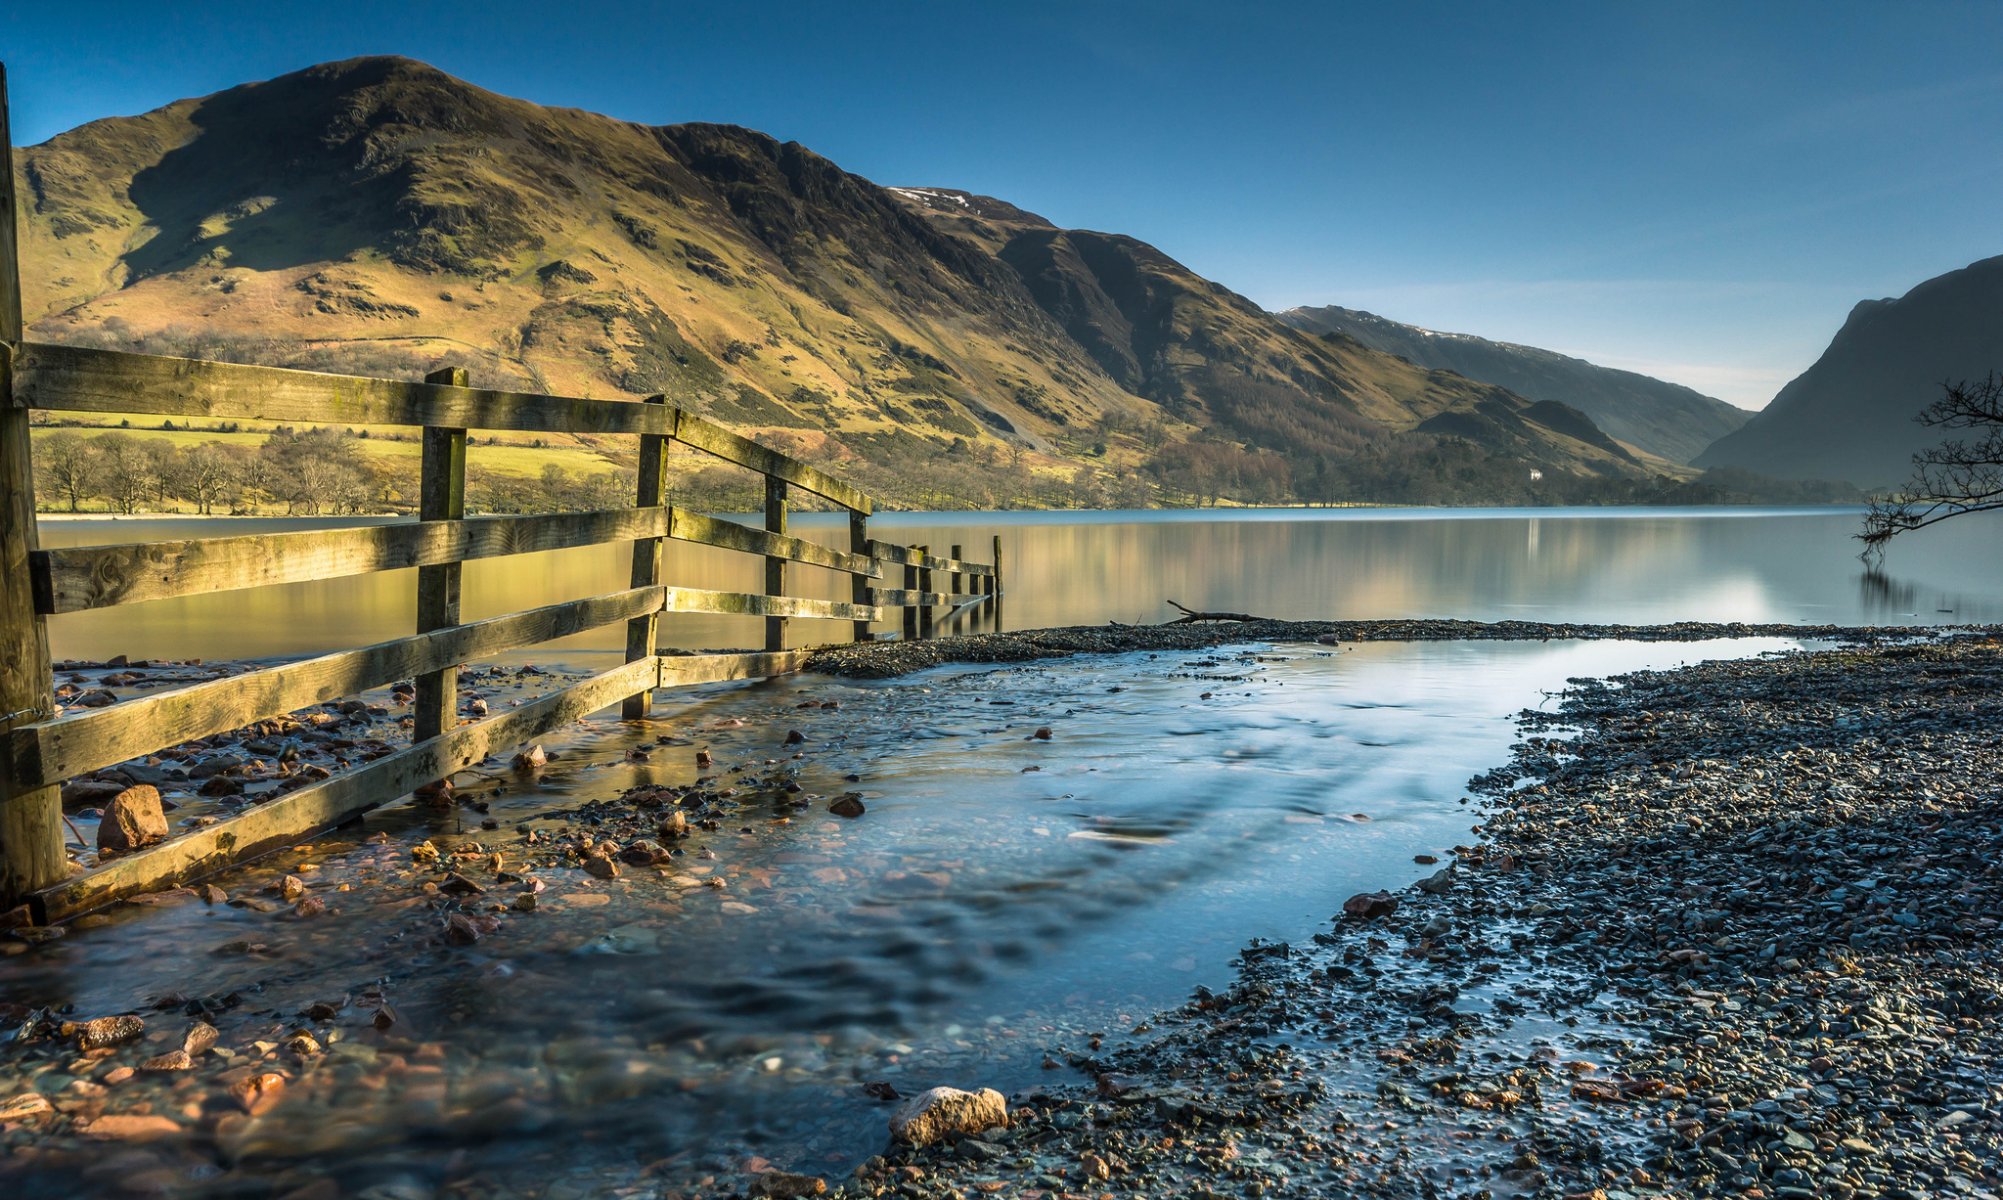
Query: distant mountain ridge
point(1653, 415)
point(1850, 415)
point(380, 210)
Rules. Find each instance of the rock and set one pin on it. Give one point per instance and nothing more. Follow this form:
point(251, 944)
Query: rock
point(644, 853)
point(1368, 906)
point(943, 1112)
point(462, 930)
point(256, 1094)
point(109, 1031)
point(133, 1129)
point(24, 1107)
point(533, 758)
point(1439, 883)
point(848, 804)
point(133, 819)
point(1043, 733)
point(600, 867)
point(784, 1185)
point(291, 889)
point(200, 1040)
point(703, 761)
point(794, 737)
point(173, 1060)
point(477, 707)
point(211, 894)
point(674, 825)
point(1094, 1166)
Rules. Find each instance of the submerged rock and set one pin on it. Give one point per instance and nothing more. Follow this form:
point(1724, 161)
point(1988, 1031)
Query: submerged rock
point(1368, 906)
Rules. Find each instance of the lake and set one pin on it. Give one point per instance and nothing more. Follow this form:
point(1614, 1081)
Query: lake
point(1004, 898)
point(1630, 565)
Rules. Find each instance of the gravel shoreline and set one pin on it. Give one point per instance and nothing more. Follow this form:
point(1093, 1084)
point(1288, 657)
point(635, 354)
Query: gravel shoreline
point(1726, 930)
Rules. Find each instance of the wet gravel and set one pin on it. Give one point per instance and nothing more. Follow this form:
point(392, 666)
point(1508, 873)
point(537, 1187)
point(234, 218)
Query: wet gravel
point(1725, 930)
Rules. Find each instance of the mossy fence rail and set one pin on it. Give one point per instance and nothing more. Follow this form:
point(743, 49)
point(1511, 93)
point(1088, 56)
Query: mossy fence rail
point(39, 750)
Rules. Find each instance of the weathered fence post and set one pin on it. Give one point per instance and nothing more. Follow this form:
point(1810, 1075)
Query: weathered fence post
point(858, 543)
point(641, 632)
point(910, 610)
point(31, 829)
point(775, 568)
point(995, 585)
point(926, 612)
point(959, 580)
point(441, 496)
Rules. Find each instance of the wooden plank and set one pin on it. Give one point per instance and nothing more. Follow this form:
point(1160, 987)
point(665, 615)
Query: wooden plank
point(73, 580)
point(323, 805)
point(910, 597)
point(858, 543)
point(441, 497)
point(31, 831)
point(995, 586)
point(916, 556)
point(684, 670)
point(708, 436)
point(53, 751)
point(652, 492)
point(751, 604)
point(775, 568)
point(711, 531)
point(76, 379)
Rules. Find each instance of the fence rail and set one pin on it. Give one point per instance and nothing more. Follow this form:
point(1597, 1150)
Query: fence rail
point(40, 750)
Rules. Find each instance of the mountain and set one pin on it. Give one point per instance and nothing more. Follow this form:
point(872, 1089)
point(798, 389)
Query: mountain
point(1660, 418)
point(1850, 416)
point(380, 215)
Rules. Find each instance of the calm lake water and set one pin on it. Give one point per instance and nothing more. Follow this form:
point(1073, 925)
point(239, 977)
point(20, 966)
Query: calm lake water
point(1600, 565)
point(1002, 899)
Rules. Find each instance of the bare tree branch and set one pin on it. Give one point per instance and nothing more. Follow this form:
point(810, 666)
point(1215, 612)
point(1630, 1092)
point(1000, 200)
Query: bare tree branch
point(1957, 477)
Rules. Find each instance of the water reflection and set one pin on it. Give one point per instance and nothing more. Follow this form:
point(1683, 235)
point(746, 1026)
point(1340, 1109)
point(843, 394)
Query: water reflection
point(1620, 565)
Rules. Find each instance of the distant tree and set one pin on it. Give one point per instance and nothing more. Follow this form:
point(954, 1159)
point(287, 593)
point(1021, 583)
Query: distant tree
point(127, 478)
point(163, 470)
point(206, 473)
point(69, 467)
point(1959, 476)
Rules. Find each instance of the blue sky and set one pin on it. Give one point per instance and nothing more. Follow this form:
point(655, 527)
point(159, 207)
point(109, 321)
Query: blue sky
point(1699, 191)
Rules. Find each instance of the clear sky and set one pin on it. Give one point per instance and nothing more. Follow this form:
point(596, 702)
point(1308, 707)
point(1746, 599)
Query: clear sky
point(1698, 191)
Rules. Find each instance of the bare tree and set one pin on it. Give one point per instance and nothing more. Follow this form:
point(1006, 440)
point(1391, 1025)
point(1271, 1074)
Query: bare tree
point(128, 472)
point(1961, 475)
point(69, 467)
point(205, 472)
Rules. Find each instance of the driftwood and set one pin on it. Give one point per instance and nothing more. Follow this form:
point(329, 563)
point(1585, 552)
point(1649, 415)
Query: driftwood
point(1190, 616)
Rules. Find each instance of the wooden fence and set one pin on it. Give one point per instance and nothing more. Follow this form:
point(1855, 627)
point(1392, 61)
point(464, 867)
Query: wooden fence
point(39, 751)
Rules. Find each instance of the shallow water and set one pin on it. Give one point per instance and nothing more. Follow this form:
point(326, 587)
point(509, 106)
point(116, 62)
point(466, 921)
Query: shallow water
point(1003, 897)
point(1635, 565)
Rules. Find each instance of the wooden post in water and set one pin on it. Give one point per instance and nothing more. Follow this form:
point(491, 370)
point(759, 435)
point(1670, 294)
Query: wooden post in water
point(959, 580)
point(926, 612)
point(441, 496)
point(641, 632)
point(31, 822)
point(775, 568)
point(995, 585)
point(910, 612)
point(858, 543)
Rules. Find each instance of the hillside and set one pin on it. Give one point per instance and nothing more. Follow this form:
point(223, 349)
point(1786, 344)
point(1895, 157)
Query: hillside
point(379, 215)
point(1850, 416)
point(1651, 415)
